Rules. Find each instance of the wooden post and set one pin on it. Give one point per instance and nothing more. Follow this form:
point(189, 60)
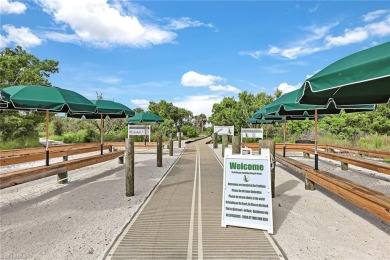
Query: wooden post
point(159, 150)
point(121, 160)
point(309, 185)
point(224, 144)
point(62, 178)
point(215, 140)
point(179, 139)
point(47, 138)
point(270, 144)
point(315, 140)
point(344, 166)
point(170, 145)
point(236, 144)
point(129, 167)
point(284, 138)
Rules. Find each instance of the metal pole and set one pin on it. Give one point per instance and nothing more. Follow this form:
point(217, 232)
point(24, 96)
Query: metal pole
point(284, 138)
point(47, 137)
point(101, 134)
point(315, 140)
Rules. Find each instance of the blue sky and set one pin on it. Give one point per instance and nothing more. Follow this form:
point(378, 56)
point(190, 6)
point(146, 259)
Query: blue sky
point(190, 53)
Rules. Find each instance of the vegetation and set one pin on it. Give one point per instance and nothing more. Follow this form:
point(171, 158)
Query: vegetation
point(370, 130)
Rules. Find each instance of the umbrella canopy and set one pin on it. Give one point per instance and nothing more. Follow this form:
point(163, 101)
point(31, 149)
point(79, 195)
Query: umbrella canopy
point(265, 121)
point(286, 105)
point(42, 98)
point(360, 78)
point(145, 118)
point(107, 108)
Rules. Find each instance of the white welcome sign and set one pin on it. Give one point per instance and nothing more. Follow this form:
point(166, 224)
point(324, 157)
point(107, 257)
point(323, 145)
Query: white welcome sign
point(247, 197)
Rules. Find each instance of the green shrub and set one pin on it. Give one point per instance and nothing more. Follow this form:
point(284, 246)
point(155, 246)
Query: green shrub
point(27, 142)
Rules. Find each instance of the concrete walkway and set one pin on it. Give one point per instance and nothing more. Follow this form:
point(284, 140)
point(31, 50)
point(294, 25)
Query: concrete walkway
point(182, 218)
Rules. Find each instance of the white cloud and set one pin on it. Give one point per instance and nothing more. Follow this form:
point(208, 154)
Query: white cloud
point(320, 38)
point(360, 34)
point(374, 15)
point(7, 7)
point(20, 36)
point(285, 87)
point(100, 24)
point(62, 37)
point(185, 22)
point(199, 104)
point(142, 103)
point(224, 88)
point(194, 79)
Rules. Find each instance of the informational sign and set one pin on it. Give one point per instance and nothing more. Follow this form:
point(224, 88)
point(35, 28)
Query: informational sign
point(252, 133)
point(224, 130)
point(247, 198)
point(139, 130)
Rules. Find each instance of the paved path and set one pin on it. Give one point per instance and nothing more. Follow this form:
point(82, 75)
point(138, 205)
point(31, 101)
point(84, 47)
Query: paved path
point(182, 219)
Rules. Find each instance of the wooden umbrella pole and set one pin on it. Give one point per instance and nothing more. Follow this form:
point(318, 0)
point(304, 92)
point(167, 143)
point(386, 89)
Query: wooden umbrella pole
point(145, 134)
point(284, 139)
point(47, 137)
point(101, 134)
point(315, 140)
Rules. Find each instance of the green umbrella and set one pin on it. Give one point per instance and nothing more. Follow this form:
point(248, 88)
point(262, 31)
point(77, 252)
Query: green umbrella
point(104, 108)
point(42, 98)
point(360, 78)
point(286, 106)
point(145, 118)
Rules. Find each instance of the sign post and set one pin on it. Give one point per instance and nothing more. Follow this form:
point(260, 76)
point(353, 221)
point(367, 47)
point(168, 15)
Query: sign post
point(247, 198)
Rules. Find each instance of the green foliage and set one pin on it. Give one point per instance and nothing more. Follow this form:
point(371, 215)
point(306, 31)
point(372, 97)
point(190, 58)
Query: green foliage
point(232, 112)
point(82, 136)
point(25, 142)
point(17, 67)
point(189, 131)
point(18, 125)
point(179, 116)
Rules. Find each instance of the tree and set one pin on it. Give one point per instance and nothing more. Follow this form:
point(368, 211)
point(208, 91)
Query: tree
point(17, 67)
point(200, 121)
point(179, 116)
point(232, 112)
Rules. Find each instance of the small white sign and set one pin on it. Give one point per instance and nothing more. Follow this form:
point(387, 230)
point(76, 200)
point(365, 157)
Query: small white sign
point(252, 133)
point(246, 151)
point(139, 130)
point(224, 130)
point(247, 198)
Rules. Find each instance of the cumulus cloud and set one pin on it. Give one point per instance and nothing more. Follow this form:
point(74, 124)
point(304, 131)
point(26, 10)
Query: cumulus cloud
point(224, 88)
point(7, 7)
point(359, 34)
point(22, 36)
point(142, 103)
point(285, 87)
point(202, 104)
point(194, 79)
point(320, 38)
point(100, 24)
point(110, 80)
point(186, 22)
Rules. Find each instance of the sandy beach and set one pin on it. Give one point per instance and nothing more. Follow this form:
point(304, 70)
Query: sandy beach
point(81, 220)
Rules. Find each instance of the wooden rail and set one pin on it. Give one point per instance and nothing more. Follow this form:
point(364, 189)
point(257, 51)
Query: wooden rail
point(25, 175)
point(138, 144)
point(4, 161)
point(379, 154)
point(17, 152)
point(345, 160)
point(372, 201)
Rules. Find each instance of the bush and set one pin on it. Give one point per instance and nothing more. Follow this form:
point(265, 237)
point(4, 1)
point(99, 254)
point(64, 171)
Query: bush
point(82, 136)
point(27, 142)
point(189, 131)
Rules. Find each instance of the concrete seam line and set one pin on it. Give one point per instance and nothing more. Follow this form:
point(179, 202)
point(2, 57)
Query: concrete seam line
point(134, 217)
point(200, 231)
point(191, 231)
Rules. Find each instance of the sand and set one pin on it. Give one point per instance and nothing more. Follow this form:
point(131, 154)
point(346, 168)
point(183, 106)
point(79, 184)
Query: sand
point(80, 220)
